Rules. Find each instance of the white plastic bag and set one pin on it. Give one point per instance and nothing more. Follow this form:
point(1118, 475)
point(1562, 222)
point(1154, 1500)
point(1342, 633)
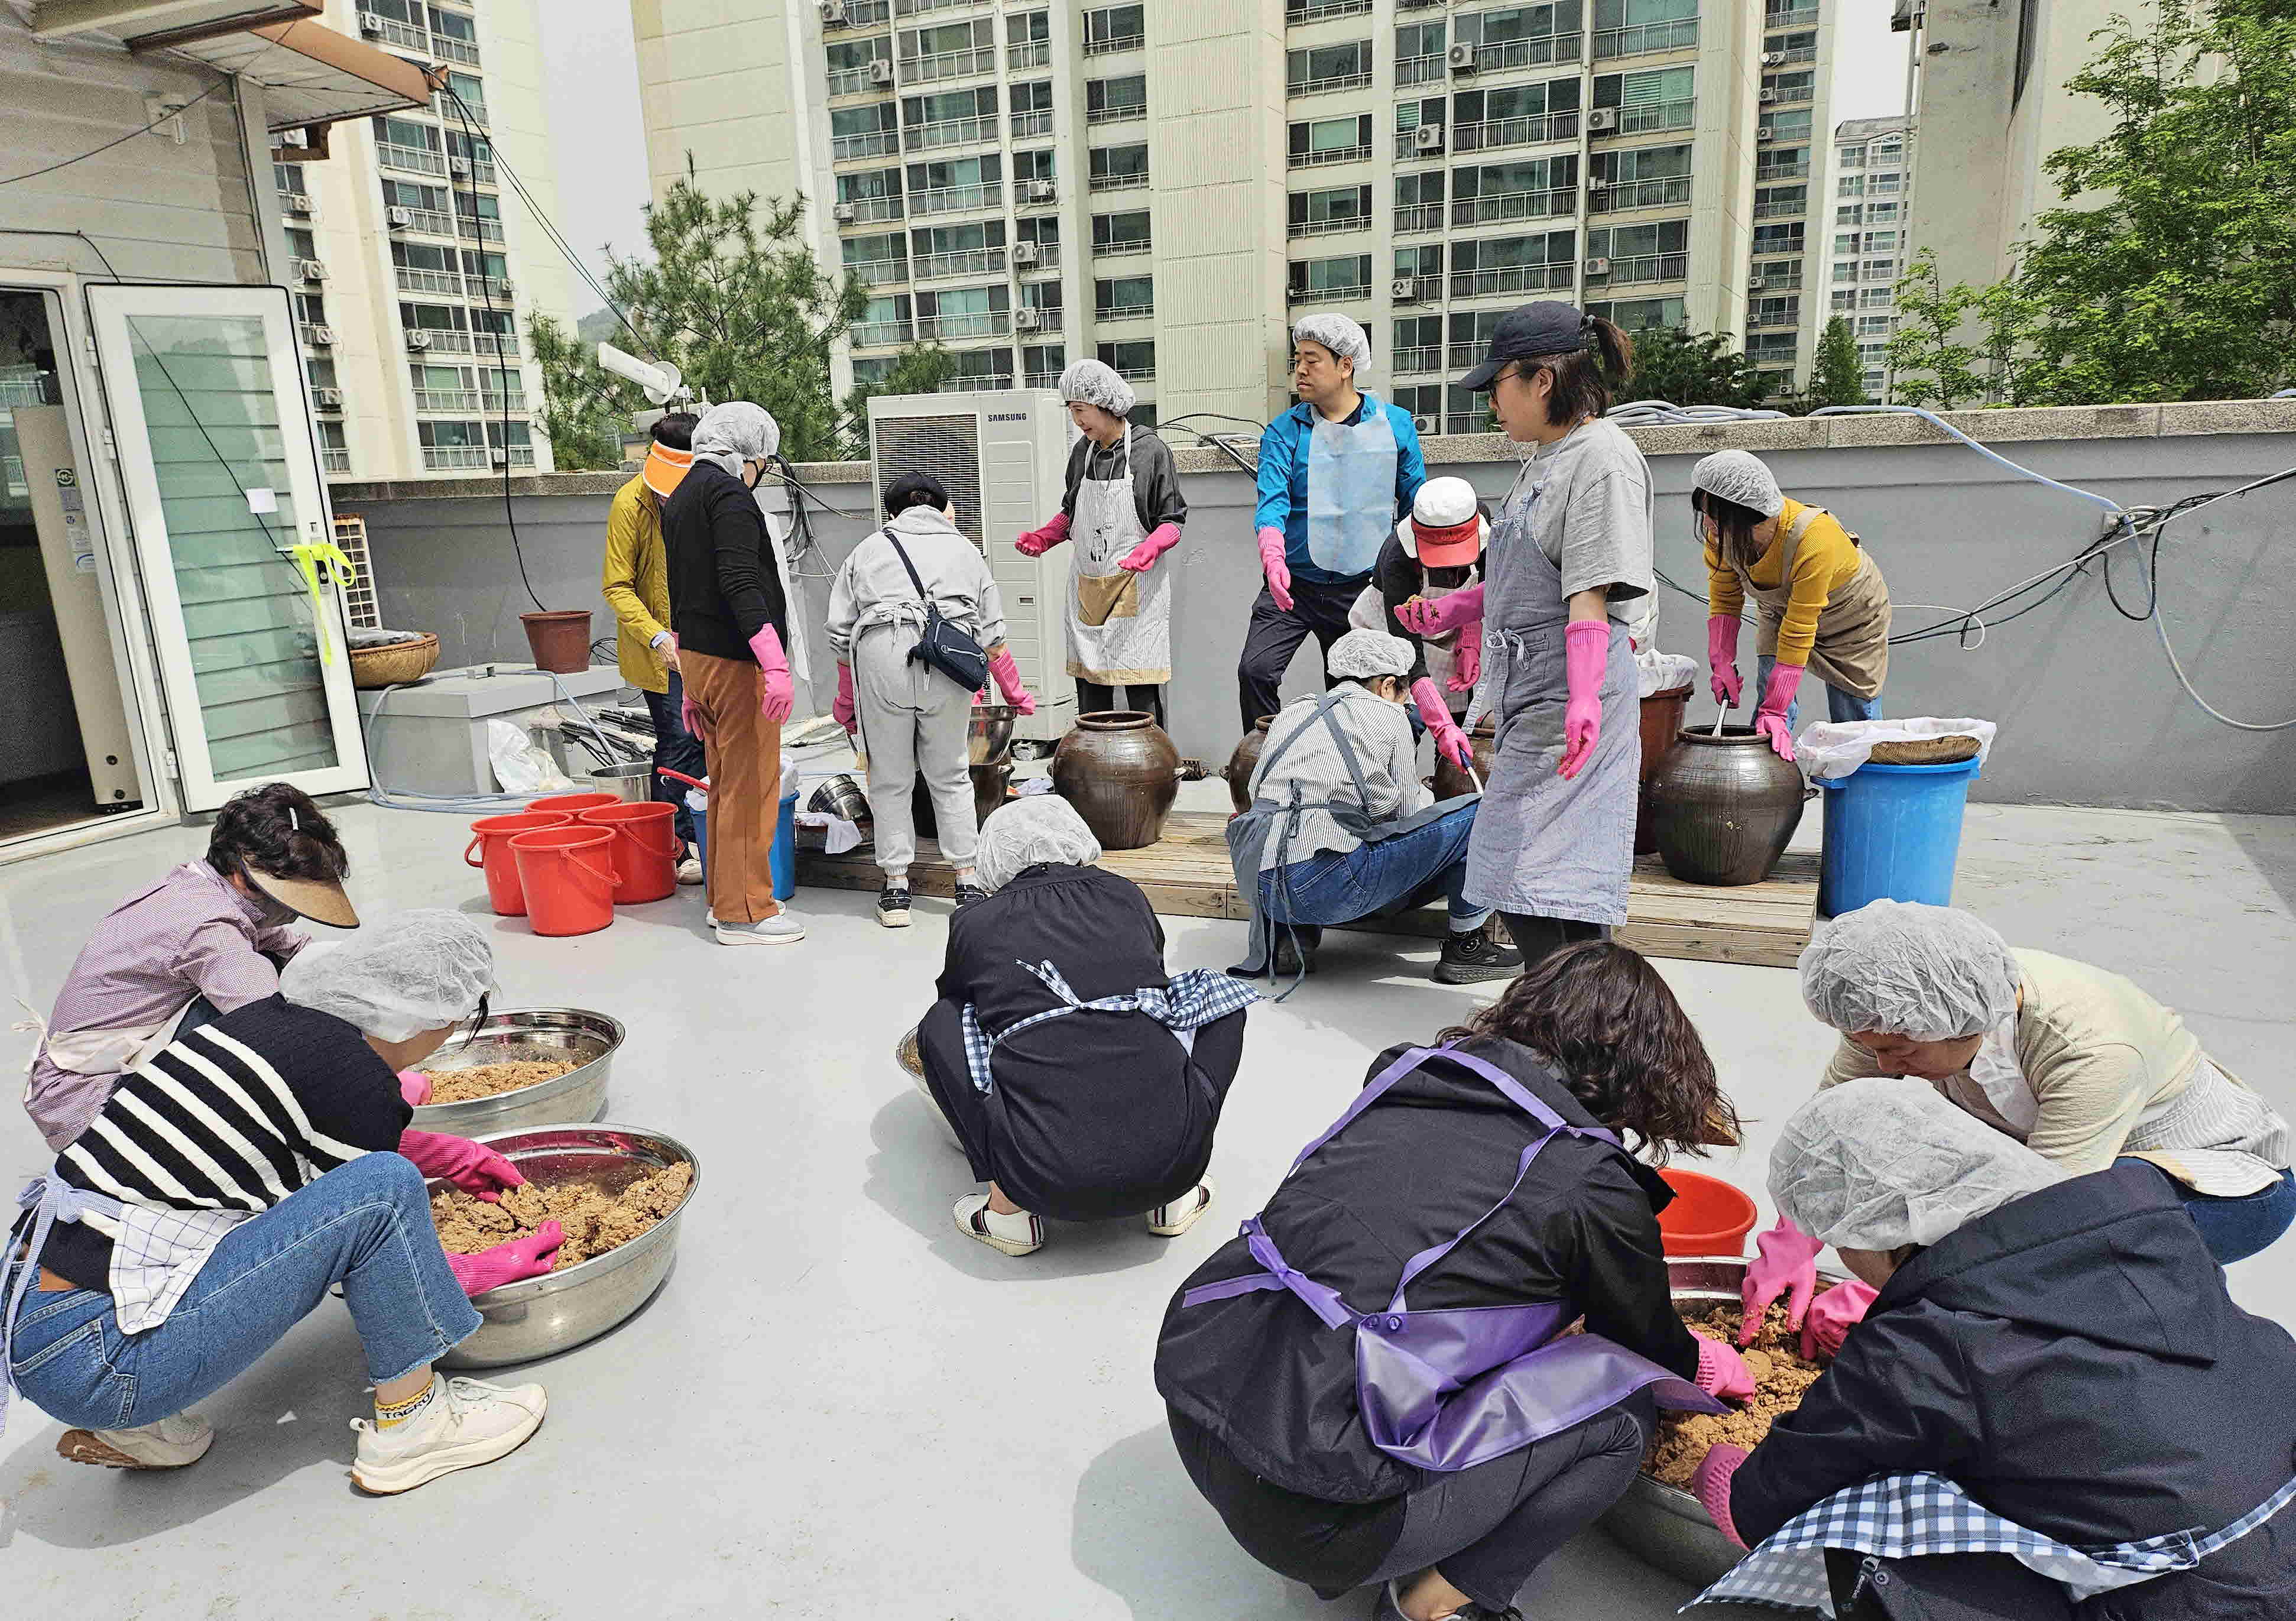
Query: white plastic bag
point(1658, 672)
point(792, 779)
point(839, 835)
point(1834, 749)
point(519, 766)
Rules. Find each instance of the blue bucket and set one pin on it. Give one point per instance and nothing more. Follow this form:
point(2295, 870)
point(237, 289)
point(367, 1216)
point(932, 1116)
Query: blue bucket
point(1892, 832)
point(782, 859)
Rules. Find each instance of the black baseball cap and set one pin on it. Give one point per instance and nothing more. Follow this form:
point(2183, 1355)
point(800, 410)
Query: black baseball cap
point(1527, 332)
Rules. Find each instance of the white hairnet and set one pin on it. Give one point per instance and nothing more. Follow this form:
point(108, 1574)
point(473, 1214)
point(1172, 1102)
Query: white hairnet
point(1929, 972)
point(735, 432)
point(1098, 385)
point(396, 977)
point(1739, 476)
point(1038, 828)
point(1336, 333)
point(1362, 654)
point(1877, 1163)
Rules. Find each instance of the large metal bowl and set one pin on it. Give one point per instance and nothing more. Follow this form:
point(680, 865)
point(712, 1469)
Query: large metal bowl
point(519, 1034)
point(1666, 1526)
point(544, 1316)
point(991, 732)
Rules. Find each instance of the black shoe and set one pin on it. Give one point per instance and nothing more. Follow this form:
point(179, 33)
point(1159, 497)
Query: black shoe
point(893, 906)
point(966, 894)
point(1287, 959)
point(1473, 957)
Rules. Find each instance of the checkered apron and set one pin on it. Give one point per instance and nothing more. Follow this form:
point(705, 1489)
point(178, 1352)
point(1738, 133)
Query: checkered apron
point(1196, 998)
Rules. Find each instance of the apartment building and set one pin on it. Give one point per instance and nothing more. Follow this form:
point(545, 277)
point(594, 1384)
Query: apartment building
point(416, 264)
point(1873, 196)
point(1166, 184)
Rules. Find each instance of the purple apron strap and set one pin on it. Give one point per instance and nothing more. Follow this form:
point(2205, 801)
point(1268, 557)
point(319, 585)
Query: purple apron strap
point(1373, 1090)
point(1320, 1298)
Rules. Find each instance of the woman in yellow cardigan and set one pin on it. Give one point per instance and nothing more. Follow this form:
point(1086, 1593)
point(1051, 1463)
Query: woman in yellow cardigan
point(1823, 604)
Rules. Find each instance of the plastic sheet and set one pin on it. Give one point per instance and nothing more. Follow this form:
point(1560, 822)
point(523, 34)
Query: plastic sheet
point(1834, 749)
point(520, 767)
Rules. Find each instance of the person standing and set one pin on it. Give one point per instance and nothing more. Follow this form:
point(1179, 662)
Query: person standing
point(730, 614)
point(1821, 600)
point(1554, 840)
point(635, 584)
point(1124, 510)
point(910, 719)
point(1336, 470)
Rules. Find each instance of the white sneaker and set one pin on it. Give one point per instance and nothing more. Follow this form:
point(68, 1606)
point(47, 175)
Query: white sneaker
point(172, 1443)
point(780, 929)
point(689, 871)
point(1016, 1235)
point(1169, 1221)
point(468, 1423)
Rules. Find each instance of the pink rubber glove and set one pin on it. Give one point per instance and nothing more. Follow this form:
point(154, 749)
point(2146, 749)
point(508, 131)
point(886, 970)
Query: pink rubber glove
point(841, 711)
point(1470, 658)
point(696, 724)
point(526, 1258)
point(1785, 1263)
point(415, 1086)
point(473, 1166)
point(1722, 658)
point(1142, 557)
point(1449, 740)
point(1711, 1487)
point(1432, 615)
point(1832, 1315)
point(777, 693)
point(1278, 571)
point(1008, 681)
point(1036, 542)
point(1585, 650)
point(1770, 719)
point(1722, 1373)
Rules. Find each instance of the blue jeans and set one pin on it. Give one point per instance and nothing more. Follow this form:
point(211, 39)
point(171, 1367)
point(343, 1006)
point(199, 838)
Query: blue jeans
point(2236, 1228)
point(677, 749)
point(365, 1225)
point(1408, 870)
point(1840, 706)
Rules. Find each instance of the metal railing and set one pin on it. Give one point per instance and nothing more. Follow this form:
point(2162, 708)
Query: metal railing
point(1420, 70)
point(482, 170)
point(1330, 295)
point(448, 458)
point(867, 13)
point(1040, 380)
point(1420, 217)
point(304, 328)
point(1029, 53)
point(1800, 53)
point(956, 199)
point(478, 230)
point(1329, 224)
point(948, 64)
point(334, 461)
point(1337, 154)
point(1119, 182)
point(1123, 245)
point(444, 341)
point(1514, 132)
point(452, 111)
point(437, 222)
point(868, 144)
point(1511, 205)
point(876, 272)
point(1118, 115)
point(1422, 288)
point(1048, 258)
point(1791, 17)
point(1526, 53)
point(989, 383)
point(855, 81)
point(1657, 116)
point(1787, 95)
point(1110, 47)
point(949, 132)
point(866, 208)
point(1297, 11)
point(446, 399)
point(483, 343)
point(962, 261)
point(520, 455)
point(1036, 122)
point(1760, 322)
point(1640, 39)
point(1329, 83)
point(1792, 169)
point(1662, 193)
point(878, 334)
point(413, 36)
point(1781, 210)
point(1778, 278)
point(497, 402)
point(1643, 268)
point(414, 279)
point(463, 51)
point(413, 159)
point(1122, 312)
point(1510, 278)
point(1411, 361)
point(967, 323)
point(1146, 373)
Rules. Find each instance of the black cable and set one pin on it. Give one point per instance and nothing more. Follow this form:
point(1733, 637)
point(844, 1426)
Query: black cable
point(122, 141)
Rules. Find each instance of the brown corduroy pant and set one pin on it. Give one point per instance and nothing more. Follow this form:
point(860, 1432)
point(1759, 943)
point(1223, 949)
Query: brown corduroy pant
point(743, 749)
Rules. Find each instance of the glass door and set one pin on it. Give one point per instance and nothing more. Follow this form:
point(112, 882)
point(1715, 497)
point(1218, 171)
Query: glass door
point(222, 474)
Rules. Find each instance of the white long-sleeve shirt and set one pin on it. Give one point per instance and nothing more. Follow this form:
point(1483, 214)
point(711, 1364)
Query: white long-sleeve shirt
point(873, 588)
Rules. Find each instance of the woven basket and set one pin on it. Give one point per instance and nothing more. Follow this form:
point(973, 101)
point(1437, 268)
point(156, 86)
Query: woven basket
point(394, 663)
point(1926, 750)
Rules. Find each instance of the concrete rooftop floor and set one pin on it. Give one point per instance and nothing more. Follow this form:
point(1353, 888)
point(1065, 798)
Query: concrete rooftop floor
point(837, 1406)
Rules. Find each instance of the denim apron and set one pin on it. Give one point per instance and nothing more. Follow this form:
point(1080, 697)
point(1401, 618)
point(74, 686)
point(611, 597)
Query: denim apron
point(1446, 1390)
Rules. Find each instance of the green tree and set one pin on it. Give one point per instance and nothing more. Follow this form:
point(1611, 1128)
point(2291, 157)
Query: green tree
point(582, 406)
point(1838, 377)
point(1687, 368)
point(920, 370)
point(1932, 365)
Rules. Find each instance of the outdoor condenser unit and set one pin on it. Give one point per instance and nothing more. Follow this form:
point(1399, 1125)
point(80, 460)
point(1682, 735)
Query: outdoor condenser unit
point(1002, 457)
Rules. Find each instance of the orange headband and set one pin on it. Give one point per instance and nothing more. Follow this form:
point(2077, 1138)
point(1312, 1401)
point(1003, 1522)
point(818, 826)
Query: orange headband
point(665, 468)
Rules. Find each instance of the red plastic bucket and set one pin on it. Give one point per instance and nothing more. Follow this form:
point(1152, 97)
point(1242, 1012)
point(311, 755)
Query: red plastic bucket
point(571, 806)
point(489, 847)
point(567, 875)
point(1708, 1217)
point(644, 851)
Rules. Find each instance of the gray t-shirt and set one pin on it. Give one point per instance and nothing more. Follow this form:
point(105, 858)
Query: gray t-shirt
point(1594, 512)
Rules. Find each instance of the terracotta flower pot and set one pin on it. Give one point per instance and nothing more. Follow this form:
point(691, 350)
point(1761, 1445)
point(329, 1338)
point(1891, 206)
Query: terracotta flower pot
point(1723, 808)
point(1121, 772)
point(1662, 715)
point(560, 639)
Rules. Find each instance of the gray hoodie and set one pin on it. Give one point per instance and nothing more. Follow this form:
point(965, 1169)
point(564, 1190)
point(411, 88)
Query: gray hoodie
point(873, 588)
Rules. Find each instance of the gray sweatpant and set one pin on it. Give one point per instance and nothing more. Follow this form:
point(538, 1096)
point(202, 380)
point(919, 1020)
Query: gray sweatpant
point(914, 722)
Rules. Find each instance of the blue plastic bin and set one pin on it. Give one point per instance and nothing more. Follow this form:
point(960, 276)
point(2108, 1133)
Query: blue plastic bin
point(783, 858)
point(1892, 832)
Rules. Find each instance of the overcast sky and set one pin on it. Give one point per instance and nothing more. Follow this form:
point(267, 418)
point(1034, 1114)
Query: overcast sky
point(596, 130)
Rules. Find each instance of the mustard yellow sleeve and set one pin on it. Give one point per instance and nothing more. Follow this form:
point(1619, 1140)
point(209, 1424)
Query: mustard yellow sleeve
point(1724, 594)
point(1818, 565)
point(618, 584)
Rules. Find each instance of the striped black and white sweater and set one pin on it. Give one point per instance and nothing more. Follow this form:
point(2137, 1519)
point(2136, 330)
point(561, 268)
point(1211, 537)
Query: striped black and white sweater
point(234, 1115)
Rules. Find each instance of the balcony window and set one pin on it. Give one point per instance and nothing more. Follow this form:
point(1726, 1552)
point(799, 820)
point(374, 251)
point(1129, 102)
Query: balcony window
point(1321, 68)
point(402, 143)
point(955, 185)
point(454, 36)
point(1656, 99)
point(1042, 232)
point(1532, 264)
point(1887, 185)
point(1418, 347)
point(1773, 202)
point(1419, 55)
point(1419, 201)
point(1471, 337)
point(1330, 281)
point(1029, 40)
point(1116, 168)
point(875, 260)
point(871, 130)
point(1121, 232)
point(462, 92)
point(514, 442)
point(1789, 14)
point(1875, 326)
point(1032, 109)
point(1042, 364)
point(1322, 10)
point(452, 446)
point(1520, 36)
point(1346, 207)
point(1120, 297)
point(1533, 188)
point(1879, 270)
point(1031, 169)
point(964, 312)
point(1772, 346)
point(1849, 186)
point(1843, 300)
point(1784, 163)
point(1635, 28)
point(852, 65)
point(1106, 100)
point(884, 322)
point(1877, 213)
point(1519, 115)
point(1134, 359)
point(1343, 140)
point(1643, 314)
point(1654, 252)
point(1114, 27)
point(1773, 312)
point(1849, 214)
point(872, 196)
point(1785, 89)
point(957, 250)
point(420, 267)
point(1786, 238)
point(476, 151)
point(981, 371)
point(1776, 274)
point(1787, 126)
point(1638, 177)
point(950, 118)
point(1792, 47)
point(950, 50)
point(1876, 297)
point(395, 22)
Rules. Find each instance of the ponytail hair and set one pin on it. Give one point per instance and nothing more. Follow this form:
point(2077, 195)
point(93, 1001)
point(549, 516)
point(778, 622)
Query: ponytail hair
point(1584, 378)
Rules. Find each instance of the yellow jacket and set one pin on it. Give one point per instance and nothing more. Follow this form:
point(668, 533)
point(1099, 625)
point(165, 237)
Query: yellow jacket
point(637, 585)
point(1825, 561)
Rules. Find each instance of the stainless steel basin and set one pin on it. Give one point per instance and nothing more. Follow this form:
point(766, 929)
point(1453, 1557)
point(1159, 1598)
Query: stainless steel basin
point(519, 1034)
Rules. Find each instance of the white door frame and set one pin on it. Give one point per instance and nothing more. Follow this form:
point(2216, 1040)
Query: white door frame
point(110, 307)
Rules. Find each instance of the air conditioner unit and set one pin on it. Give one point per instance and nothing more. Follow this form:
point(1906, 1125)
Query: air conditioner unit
point(503, 289)
point(460, 168)
point(1024, 254)
point(1041, 190)
point(833, 13)
point(1427, 138)
point(1462, 59)
point(329, 399)
point(1001, 456)
point(1602, 119)
point(1025, 320)
point(1756, 283)
point(1597, 182)
point(1766, 132)
point(369, 23)
point(1424, 422)
point(323, 336)
point(297, 202)
point(1774, 59)
point(841, 212)
point(1598, 267)
point(311, 270)
point(1404, 289)
point(496, 454)
point(1766, 95)
point(400, 219)
point(881, 71)
point(417, 339)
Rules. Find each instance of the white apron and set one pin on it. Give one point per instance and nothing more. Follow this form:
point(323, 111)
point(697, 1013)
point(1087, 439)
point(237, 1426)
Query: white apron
point(1119, 624)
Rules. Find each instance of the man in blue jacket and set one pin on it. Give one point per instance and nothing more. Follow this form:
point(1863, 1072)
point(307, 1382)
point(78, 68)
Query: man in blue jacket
point(1336, 472)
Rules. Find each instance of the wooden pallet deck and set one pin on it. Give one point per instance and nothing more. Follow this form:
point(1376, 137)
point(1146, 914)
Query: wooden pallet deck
point(1186, 874)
